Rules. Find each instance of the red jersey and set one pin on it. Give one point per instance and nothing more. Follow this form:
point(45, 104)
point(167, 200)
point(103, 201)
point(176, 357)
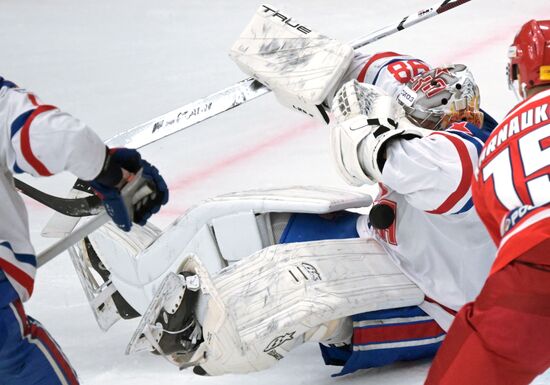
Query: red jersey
point(511, 188)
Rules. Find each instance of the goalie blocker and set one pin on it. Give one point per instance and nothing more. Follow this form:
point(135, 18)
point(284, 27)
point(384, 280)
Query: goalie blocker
point(303, 68)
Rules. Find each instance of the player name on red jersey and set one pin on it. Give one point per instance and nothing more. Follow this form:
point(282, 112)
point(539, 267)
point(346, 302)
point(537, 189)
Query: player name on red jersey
point(517, 123)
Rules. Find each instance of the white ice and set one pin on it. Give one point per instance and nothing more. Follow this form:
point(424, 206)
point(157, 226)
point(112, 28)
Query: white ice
point(115, 64)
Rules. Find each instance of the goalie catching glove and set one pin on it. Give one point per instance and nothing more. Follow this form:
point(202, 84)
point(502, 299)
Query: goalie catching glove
point(367, 118)
point(120, 166)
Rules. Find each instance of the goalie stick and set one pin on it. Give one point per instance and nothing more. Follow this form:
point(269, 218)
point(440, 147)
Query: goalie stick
point(203, 109)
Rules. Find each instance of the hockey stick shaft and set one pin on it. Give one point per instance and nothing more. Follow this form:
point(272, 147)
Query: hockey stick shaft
point(60, 246)
point(135, 190)
point(248, 89)
point(240, 93)
point(408, 21)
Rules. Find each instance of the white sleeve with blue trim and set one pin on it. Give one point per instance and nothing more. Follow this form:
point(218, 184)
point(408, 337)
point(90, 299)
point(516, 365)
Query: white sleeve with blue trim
point(434, 173)
point(42, 140)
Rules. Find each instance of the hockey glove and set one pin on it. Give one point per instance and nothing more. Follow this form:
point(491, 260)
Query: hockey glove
point(120, 165)
point(367, 118)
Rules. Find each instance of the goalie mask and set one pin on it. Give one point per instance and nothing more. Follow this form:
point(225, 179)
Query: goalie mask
point(442, 96)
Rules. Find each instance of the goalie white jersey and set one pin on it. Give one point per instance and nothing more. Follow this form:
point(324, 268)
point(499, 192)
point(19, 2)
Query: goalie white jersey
point(437, 237)
point(387, 70)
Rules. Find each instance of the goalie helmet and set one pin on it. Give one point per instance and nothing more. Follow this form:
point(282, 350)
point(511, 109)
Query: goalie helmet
point(442, 96)
point(529, 56)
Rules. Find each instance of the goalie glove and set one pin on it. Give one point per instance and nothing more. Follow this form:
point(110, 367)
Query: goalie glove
point(367, 118)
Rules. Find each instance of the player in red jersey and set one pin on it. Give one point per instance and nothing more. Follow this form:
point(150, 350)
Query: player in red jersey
point(504, 336)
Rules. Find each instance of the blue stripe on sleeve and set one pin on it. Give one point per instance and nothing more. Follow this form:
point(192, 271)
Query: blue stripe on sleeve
point(6, 83)
point(466, 207)
point(23, 258)
point(469, 138)
point(489, 124)
point(19, 122)
point(17, 169)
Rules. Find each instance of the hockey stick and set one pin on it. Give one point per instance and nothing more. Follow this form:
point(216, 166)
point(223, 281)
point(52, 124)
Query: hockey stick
point(132, 192)
point(78, 207)
point(231, 97)
point(246, 90)
point(213, 105)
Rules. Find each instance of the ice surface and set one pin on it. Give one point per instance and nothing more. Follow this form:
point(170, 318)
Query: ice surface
point(115, 64)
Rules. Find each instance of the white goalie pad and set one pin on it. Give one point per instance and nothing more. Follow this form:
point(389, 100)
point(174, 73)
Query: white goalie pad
point(99, 289)
point(220, 231)
point(257, 310)
point(299, 65)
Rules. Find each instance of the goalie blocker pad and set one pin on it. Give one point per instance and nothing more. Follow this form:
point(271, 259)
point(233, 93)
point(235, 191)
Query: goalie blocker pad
point(299, 65)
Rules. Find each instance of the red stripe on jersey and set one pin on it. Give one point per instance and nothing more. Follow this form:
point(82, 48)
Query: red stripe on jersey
point(33, 100)
point(40, 334)
point(21, 313)
point(19, 275)
point(26, 142)
point(447, 309)
point(394, 333)
point(375, 57)
point(467, 174)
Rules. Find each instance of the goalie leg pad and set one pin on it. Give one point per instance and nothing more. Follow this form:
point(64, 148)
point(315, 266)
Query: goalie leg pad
point(265, 305)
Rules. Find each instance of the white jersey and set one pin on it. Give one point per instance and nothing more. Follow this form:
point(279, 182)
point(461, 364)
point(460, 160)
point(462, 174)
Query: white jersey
point(40, 140)
point(437, 237)
point(387, 70)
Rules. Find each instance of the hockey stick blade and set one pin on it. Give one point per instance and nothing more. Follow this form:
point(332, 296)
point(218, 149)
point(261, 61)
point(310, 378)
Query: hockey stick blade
point(79, 207)
point(240, 93)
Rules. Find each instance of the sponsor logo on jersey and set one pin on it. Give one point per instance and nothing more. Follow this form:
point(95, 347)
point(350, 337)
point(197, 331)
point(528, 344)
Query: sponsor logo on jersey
point(513, 218)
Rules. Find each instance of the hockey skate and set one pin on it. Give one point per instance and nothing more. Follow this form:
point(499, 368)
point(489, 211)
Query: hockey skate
point(169, 327)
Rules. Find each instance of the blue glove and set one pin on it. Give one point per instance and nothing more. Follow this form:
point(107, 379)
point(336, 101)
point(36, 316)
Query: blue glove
point(111, 179)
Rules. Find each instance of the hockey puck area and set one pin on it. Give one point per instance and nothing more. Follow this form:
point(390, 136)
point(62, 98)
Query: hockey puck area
point(381, 216)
